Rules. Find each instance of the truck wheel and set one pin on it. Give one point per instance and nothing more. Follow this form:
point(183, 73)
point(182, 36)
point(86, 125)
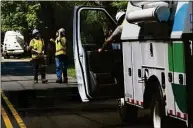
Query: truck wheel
point(158, 118)
point(128, 113)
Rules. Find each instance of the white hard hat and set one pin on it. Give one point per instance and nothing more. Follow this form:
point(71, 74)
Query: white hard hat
point(61, 30)
point(35, 31)
point(119, 15)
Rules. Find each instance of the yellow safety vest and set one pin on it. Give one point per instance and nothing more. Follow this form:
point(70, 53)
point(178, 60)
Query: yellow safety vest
point(36, 45)
point(60, 46)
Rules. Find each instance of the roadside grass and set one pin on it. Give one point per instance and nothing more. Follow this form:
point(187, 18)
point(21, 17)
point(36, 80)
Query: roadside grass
point(51, 69)
point(71, 71)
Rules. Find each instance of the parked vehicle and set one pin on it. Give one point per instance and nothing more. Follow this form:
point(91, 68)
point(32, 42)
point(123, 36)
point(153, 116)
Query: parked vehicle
point(153, 67)
point(13, 44)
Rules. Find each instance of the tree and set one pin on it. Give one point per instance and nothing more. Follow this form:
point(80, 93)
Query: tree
point(19, 15)
point(48, 16)
point(24, 15)
point(120, 5)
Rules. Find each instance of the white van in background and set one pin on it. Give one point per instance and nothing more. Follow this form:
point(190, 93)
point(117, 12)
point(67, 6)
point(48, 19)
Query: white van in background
point(13, 44)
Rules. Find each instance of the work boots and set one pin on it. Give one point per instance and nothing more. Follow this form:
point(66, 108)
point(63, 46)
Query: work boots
point(60, 81)
point(35, 81)
point(65, 80)
point(44, 81)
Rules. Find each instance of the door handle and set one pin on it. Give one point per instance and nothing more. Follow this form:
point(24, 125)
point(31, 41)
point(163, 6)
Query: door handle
point(80, 55)
point(139, 73)
point(129, 71)
point(151, 49)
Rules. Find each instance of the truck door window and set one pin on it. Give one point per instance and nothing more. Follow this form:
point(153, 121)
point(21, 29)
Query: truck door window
point(95, 26)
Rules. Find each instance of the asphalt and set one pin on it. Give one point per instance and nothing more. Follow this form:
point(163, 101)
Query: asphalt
point(54, 105)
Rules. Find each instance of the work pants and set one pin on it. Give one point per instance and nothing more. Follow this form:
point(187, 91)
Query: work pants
point(61, 66)
point(38, 64)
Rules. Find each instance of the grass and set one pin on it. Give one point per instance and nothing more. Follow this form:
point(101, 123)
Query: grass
point(71, 72)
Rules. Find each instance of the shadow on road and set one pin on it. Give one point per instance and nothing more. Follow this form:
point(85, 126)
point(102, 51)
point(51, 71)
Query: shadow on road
point(66, 103)
point(22, 69)
point(42, 98)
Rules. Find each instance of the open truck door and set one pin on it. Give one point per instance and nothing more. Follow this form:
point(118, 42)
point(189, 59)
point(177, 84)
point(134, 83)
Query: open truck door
point(99, 74)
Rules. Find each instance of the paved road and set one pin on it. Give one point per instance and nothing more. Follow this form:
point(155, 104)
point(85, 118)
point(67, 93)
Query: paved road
point(55, 105)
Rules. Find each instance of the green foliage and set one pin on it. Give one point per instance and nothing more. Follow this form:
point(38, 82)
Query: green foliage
point(95, 26)
point(22, 15)
point(31, 15)
point(49, 16)
point(71, 72)
point(120, 5)
point(19, 15)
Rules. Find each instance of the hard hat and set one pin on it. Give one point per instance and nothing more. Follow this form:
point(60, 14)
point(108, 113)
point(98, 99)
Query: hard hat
point(119, 15)
point(61, 30)
point(56, 33)
point(35, 31)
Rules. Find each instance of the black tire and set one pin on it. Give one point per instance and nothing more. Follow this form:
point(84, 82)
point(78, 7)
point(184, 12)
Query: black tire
point(158, 113)
point(128, 113)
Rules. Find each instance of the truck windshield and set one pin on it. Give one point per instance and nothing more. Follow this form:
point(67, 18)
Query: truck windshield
point(10, 38)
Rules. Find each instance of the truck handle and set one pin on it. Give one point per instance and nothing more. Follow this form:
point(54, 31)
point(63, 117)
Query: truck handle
point(151, 49)
point(129, 71)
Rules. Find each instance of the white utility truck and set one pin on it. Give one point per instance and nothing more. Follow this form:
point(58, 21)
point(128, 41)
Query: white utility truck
point(152, 67)
point(13, 44)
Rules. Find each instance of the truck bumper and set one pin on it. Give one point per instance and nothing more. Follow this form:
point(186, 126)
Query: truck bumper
point(15, 52)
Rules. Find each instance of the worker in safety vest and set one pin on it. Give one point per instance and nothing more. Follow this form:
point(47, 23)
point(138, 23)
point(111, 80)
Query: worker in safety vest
point(37, 49)
point(61, 56)
point(120, 17)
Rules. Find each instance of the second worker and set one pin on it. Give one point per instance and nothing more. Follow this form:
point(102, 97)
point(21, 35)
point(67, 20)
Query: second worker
point(61, 56)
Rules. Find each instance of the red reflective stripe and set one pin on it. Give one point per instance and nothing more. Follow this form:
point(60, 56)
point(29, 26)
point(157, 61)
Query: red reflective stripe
point(137, 102)
point(178, 114)
point(132, 101)
point(185, 116)
point(171, 112)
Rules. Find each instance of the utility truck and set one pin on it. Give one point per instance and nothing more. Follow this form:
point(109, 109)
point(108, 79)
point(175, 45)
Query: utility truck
point(151, 66)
